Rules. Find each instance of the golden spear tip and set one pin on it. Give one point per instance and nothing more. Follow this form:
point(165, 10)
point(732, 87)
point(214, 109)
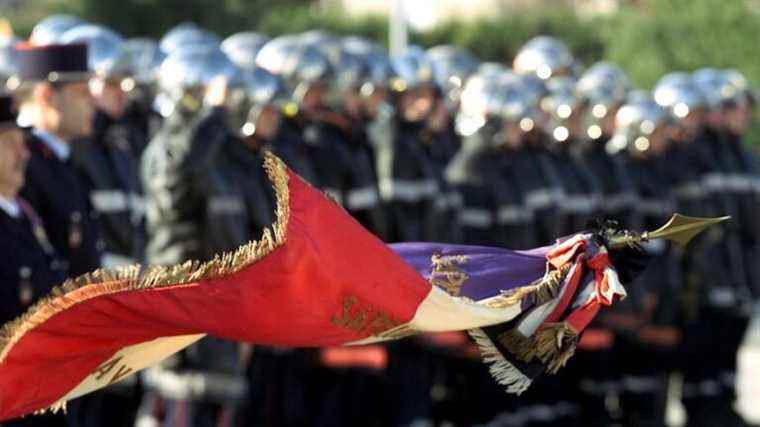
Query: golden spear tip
point(680, 229)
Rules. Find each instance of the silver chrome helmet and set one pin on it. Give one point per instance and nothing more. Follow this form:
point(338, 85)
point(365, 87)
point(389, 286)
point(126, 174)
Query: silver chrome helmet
point(50, 29)
point(275, 53)
point(745, 92)
point(721, 87)
point(494, 100)
point(242, 48)
point(451, 68)
point(106, 55)
point(185, 74)
point(146, 59)
point(262, 89)
point(544, 57)
point(350, 72)
point(329, 44)
point(413, 69)
point(678, 93)
point(603, 88)
point(635, 123)
point(560, 104)
point(187, 35)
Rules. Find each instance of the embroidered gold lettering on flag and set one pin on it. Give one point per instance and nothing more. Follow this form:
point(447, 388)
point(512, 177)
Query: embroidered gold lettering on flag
point(447, 274)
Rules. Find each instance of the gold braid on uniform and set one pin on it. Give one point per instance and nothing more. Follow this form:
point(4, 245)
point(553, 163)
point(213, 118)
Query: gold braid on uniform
point(135, 277)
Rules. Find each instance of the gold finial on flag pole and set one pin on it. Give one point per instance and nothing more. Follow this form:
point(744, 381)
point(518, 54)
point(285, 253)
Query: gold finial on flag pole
point(679, 229)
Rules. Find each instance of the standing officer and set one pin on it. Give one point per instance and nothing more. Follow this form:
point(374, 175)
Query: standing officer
point(107, 165)
point(30, 267)
point(646, 323)
point(406, 176)
point(711, 277)
point(195, 212)
point(735, 293)
point(63, 112)
point(363, 200)
point(140, 111)
point(107, 162)
point(603, 88)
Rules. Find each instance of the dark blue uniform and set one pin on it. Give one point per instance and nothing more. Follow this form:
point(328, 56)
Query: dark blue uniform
point(61, 200)
point(108, 166)
point(30, 269)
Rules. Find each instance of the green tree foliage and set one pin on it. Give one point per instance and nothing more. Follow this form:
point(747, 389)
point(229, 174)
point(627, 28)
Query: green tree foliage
point(648, 38)
point(683, 35)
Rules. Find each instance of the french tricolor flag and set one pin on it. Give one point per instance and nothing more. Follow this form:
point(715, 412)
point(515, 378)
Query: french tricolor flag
point(314, 278)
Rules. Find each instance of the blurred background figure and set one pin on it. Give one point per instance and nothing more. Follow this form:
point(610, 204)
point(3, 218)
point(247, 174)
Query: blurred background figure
point(31, 266)
point(108, 161)
point(194, 212)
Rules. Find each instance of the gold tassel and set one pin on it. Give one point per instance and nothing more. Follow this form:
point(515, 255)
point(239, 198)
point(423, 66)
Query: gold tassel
point(110, 281)
point(553, 345)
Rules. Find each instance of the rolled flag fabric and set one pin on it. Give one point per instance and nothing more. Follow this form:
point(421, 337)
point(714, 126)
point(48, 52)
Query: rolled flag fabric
point(552, 304)
point(314, 278)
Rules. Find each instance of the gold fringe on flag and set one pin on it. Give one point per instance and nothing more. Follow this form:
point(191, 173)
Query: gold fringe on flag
point(110, 281)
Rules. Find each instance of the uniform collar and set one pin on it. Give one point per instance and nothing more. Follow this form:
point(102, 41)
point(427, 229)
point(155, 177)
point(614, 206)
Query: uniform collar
point(10, 206)
point(59, 147)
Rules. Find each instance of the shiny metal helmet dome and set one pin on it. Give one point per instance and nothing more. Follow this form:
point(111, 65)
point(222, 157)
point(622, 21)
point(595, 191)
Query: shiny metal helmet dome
point(146, 58)
point(500, 99)
point(602, 88)
point(479, 97)
point(50, 29)
point(561, 100)
point(721, 86)
point(307, 64)
point(106, 55)
point(276, 52)
point(187, 35)
point(185, 74)
point(329, 44)
point(413, 68)
point(604, 82)
point(745, 92)
point(635, 122)
point(679, 94)
point(350, 72)
point(451, 66)
point(242, 48)
point(545, 57)
point(262, 89)
point(376, 61)
point(559, 104)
